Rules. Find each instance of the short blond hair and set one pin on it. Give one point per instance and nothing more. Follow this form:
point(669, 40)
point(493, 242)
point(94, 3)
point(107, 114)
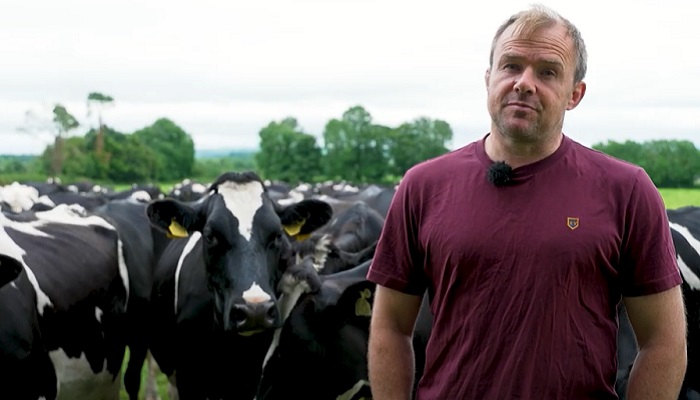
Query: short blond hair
point(537, 17)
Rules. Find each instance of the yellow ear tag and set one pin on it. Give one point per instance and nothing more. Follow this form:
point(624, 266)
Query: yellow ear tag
point(294, 229)
point(362, 306)
point(302, 236)
point(176, 230)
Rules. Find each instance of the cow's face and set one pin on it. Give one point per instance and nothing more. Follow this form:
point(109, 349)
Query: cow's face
point(324, 339)
point(245, 246)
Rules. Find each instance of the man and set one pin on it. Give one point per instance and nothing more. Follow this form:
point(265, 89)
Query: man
point(525, 242)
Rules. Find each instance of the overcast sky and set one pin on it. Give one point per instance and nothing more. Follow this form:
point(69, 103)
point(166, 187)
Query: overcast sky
point(222, 70)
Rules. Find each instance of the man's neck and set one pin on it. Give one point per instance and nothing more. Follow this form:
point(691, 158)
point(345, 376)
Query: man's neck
point(518, 154)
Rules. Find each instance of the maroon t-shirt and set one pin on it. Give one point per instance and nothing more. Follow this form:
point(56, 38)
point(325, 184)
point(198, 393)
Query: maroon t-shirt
point(524, 279)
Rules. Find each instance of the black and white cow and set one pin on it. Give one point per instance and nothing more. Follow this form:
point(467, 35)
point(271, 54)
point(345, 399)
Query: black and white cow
point(685, 230)
point(142, 246)
point(347, 241)
point(216, 289)
point(354, 228)
point(321, 350)
point(62, 317)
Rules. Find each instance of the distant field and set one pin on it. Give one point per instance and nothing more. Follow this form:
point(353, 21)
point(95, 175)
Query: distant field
point(676, 198)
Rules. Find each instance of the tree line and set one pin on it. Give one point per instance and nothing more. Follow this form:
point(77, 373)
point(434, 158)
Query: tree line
point(669, 163)
point(352, 148)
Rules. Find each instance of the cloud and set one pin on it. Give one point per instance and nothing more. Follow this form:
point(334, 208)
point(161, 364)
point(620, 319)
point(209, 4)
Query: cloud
point(224, 70)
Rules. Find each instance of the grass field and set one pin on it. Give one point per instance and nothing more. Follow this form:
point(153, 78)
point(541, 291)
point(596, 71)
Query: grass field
point(676, 198)
point(161, 382)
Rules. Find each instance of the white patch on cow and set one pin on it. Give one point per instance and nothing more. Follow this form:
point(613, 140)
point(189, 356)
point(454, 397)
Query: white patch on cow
point(77, 381)
point(10, 248)
point(286, 303)
point(46, 201)
point(191, 242)
point(198, 188)
point(18, 196)
point(61, 214)
point(141, 195)
point(273, 346)
point(293, 197)
point(98, 314)
point(123, 271)
point(303, 187)
point(255, 294)
point(690, 278)
point(321, 253)
point(71, 214)
point(243, 200)
point(353, 390)
point(292, 289)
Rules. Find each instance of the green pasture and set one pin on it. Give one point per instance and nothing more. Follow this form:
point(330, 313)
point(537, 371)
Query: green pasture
point(676, 198)
point(161, 381)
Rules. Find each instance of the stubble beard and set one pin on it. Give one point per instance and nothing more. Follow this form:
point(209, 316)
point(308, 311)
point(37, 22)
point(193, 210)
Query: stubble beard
point(518, 132)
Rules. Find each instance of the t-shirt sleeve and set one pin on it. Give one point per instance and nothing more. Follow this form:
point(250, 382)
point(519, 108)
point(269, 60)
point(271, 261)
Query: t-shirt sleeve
point(397, 262)
point(648, 263)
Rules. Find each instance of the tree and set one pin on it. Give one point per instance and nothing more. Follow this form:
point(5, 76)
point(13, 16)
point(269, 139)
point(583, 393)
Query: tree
point(355, 149)
point(669, 163)
point(99, 101)
point(672, 163)
point(61, 123)
point(173, 149)
point(418, 141)
point(629, 150)
point(287, 153)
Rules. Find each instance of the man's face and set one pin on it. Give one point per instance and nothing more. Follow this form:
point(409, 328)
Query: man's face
point(531, 83)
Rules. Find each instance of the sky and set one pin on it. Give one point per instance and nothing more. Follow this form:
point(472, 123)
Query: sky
point(223, 70)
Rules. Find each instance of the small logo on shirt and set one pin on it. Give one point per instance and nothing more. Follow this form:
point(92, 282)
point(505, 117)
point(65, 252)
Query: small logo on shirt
point(572, 222)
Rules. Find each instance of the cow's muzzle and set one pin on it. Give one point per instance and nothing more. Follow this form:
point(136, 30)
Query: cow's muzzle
point(251, 318)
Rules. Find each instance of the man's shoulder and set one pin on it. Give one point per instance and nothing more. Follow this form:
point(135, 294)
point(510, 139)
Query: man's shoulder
point(605, 163)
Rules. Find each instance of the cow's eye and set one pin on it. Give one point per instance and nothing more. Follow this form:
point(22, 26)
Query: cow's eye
point(274, 238)
point(210, 237)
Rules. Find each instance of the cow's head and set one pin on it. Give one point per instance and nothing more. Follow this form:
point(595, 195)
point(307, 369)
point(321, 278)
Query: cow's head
point(9, 269)
point(327, 257)
point(324, 339)
point(245, 239)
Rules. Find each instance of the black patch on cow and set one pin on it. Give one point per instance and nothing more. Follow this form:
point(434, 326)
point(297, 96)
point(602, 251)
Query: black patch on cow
point(9, 269)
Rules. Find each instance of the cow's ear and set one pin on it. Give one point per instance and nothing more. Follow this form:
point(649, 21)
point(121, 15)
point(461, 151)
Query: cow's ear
point(9, 269)
point(304, 217)
point(348, 294)
point(173, 217)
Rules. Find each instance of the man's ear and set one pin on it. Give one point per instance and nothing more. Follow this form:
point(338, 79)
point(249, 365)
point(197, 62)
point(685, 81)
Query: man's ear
point(487, 75)
point(577, 95)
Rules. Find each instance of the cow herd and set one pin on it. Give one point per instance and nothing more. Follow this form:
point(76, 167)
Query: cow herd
point(239, 289)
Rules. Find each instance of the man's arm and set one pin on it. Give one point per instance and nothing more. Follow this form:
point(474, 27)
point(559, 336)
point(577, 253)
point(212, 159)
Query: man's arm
point(391, 360)
point(660, 327)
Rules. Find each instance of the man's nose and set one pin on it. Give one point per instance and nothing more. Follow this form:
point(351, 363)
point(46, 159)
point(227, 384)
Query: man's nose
point(525, 82)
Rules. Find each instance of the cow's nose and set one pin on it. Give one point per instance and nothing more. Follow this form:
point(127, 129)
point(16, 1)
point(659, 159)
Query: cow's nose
point(254, 316)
